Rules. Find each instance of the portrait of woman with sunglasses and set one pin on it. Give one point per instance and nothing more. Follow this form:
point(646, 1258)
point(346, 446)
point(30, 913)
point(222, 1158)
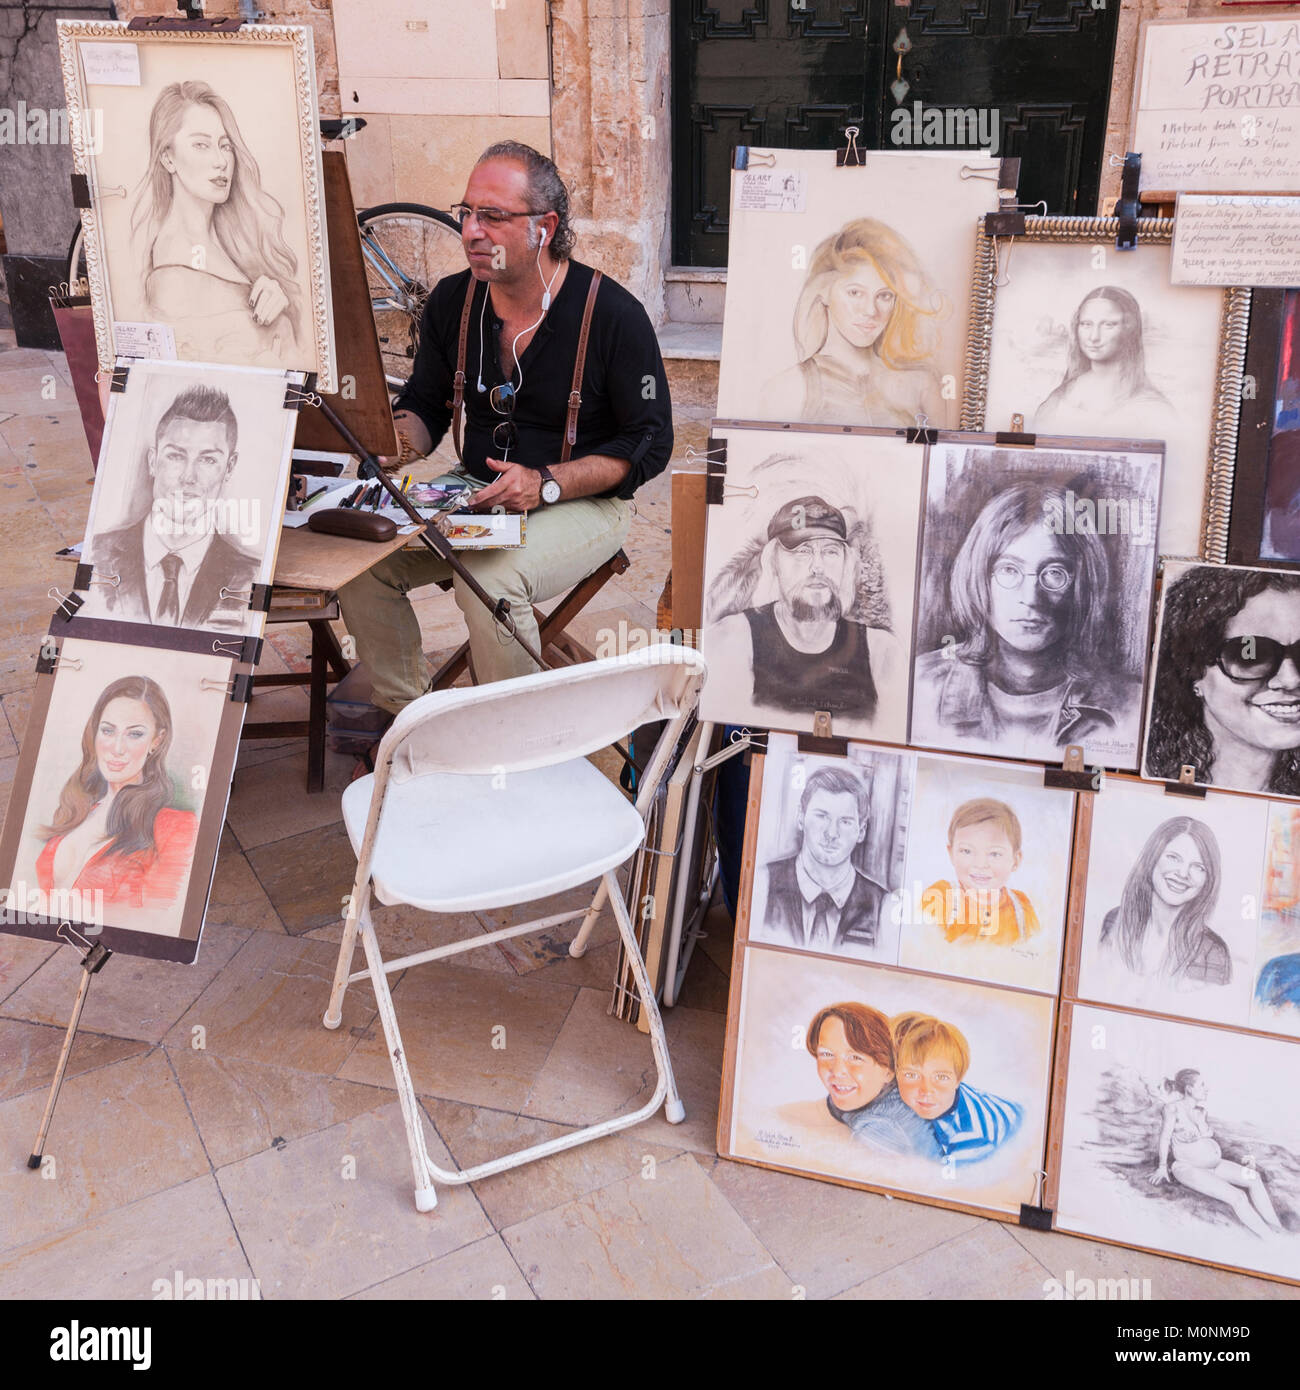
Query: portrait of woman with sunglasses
point(1226, 697)
point(1024, 669)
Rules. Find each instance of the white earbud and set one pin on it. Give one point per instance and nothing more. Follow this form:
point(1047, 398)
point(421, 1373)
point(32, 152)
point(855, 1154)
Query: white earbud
point(543, 241)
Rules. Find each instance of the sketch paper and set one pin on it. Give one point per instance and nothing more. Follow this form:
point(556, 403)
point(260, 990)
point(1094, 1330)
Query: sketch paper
point(124, 777)
point(205, 183)
point(1220, 240)
point(833, 826)
point(1275, 1000)
point(847, 296)
point(988, 868)
point(1024, 664)
point(939, 1086)
point(809, 579)
point(1225, 693)
point(189, 494)
point(1089, 344)
point(1173, 902)
point(1182, 1139)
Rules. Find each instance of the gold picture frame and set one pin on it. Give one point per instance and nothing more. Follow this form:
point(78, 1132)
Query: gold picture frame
point(266, 297)
point(1196, 400)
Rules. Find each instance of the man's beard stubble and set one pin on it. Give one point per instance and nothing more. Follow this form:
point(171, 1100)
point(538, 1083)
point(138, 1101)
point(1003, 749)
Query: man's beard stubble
point(805, 611)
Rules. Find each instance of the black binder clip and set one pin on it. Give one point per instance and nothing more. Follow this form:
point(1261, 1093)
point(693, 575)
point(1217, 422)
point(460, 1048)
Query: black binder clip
point(921, 434)
point(1072, 775)
point(850, 157)
point(821, 740)
point(241, 689)
point(1186, 784)
point(1035, 1218)
point(81, 191)
point(260, 598)
point(1127, 207)
point(83, 576)
point(740, 157)
point(118, 378)
point(1015, 437)
point(715, 472)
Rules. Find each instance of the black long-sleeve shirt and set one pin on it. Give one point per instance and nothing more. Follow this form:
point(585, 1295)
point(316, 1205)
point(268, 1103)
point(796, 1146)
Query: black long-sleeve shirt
point(626, 411)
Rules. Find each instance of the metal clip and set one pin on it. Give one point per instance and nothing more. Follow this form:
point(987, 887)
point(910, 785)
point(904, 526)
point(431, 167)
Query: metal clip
point(989, 172)
point(1002, 275)
point(208, 683)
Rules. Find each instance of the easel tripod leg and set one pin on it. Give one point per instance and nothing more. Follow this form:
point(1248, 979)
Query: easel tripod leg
point(68, 1038)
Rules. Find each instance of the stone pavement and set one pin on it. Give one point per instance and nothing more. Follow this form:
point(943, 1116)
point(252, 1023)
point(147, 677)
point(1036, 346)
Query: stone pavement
point(211, 1126)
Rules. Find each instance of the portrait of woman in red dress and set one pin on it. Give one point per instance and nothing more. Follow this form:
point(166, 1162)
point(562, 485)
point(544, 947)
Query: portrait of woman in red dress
point(116, 831)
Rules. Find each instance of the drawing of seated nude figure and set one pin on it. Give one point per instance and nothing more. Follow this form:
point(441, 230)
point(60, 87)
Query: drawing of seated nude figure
point(865, 330)
point(1188, 1153)
point(214, 262)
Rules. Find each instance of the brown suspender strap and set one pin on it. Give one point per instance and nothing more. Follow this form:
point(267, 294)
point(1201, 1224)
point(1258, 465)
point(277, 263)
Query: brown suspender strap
point(575, 395)
point(457, 402)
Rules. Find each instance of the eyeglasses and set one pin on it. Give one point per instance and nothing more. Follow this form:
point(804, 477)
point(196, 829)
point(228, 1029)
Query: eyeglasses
point(1054, 578)
point(503, 399)
point(488, 217)
point(1255, 658)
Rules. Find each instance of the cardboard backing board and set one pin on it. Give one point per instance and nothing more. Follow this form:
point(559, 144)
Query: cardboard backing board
point(689, 513)
point(364, 409)
point(894, 990)
point(200, 761)
point(1086, 806)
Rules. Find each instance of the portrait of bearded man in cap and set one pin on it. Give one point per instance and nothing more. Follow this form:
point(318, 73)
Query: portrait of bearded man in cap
point(822, 641)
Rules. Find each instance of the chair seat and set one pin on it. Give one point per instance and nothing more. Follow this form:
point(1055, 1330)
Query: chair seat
point(459, 843)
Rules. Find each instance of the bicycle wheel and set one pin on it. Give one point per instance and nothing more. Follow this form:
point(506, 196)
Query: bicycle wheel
point(407, 249)
point(77, 282)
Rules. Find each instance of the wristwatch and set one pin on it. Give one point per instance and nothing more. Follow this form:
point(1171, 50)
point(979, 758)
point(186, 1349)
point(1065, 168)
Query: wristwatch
point(550, 486)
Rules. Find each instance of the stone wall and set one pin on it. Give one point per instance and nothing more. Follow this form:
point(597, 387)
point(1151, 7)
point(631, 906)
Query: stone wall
point(35, 194)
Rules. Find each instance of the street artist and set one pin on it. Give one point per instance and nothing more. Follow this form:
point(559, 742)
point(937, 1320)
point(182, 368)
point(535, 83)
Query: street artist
point(527, 325)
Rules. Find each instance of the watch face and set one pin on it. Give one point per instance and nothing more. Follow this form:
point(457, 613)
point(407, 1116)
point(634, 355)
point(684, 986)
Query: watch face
point(550, 491)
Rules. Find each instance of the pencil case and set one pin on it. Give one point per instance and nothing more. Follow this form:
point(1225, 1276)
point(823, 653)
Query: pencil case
point(361, 526)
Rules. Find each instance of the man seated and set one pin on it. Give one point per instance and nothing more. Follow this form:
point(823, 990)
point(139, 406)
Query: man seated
point(523, 330)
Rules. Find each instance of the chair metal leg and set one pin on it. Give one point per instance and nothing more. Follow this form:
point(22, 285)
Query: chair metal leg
point(358, 902)
point(426, 1198)
point(674, 1110)
point(578, 946)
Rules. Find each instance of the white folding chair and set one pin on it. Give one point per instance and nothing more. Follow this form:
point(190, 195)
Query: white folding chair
point(462, 770)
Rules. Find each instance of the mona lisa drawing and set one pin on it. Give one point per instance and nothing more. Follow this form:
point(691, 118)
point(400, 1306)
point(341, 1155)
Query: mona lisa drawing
point(206, 212)
point(119, 796)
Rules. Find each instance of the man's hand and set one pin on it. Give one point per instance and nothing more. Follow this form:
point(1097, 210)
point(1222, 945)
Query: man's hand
point(517, 489)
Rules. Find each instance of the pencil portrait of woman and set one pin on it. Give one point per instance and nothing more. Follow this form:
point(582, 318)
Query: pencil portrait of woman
point(866, 335)
point(1160, 930)
point(116, 830)
point(1226, 698)
point(214, 262)
point(1105, 384)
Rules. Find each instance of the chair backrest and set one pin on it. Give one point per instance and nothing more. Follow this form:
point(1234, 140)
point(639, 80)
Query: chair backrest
point(549, 717)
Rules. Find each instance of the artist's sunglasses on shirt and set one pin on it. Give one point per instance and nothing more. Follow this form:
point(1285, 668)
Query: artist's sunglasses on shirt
point(502, 399)
point(1255, 658)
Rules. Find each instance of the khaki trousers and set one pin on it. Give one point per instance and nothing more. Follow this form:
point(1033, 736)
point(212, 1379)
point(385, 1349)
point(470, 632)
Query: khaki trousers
point(564, 543)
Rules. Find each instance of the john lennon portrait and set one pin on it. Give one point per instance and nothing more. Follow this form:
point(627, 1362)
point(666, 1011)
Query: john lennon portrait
point(809, 579)
point(207, 213)
point(1037, 574)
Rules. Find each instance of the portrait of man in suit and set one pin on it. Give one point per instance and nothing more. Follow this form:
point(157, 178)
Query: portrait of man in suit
point(174, 566)
point(817, 898)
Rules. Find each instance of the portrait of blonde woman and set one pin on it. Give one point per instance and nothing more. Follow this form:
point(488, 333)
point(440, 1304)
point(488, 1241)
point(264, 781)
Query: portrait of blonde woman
point(866, 328)
point(214, 263)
